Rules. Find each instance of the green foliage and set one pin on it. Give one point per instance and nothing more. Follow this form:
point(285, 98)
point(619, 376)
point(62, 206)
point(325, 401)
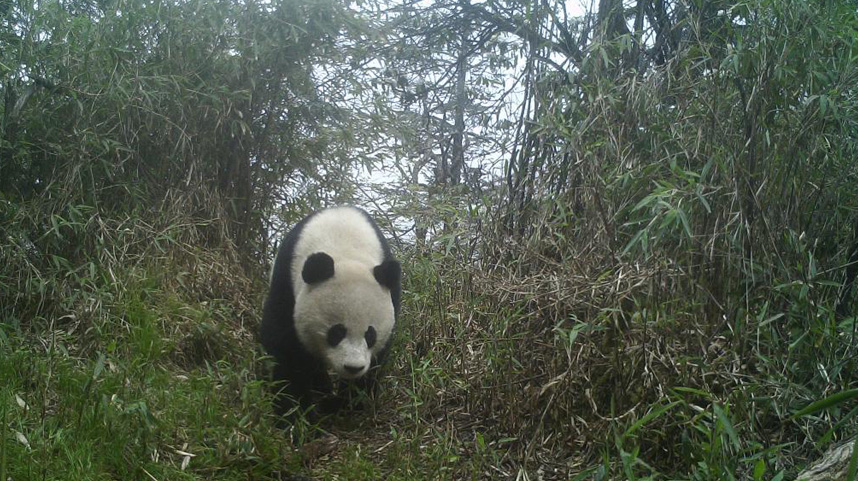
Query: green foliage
point(127, 409)
point(655, 284)
point(116, 361)
point(122, 105)
point(723, 173)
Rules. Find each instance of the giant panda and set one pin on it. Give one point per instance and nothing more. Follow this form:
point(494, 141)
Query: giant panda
point(332, 306)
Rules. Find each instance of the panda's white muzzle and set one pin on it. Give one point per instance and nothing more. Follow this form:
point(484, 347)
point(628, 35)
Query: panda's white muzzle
point(350, 359)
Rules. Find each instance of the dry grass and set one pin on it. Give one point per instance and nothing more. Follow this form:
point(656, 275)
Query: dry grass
point(522, 364)
point(553, 370)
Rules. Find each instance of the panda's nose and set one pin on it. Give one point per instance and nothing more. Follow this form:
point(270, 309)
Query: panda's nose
point(353, 369)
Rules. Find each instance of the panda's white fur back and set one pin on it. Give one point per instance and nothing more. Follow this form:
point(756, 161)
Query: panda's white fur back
point(344, 233)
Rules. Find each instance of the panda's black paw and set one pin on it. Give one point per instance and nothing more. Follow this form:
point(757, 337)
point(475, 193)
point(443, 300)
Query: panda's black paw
point(332, 404)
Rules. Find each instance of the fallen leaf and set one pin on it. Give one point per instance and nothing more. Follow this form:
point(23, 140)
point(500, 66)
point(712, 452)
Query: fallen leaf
point(22, 439)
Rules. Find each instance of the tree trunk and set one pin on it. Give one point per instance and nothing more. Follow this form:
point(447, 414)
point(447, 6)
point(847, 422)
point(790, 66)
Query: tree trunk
point(833, 466)
point(458, 158)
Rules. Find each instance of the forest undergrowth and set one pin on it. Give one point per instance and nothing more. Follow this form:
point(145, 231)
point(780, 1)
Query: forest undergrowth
point(130, 352)
point(628, 234)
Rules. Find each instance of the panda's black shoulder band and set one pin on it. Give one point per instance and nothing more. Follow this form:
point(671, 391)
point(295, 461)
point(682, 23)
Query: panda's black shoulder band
point(317, 268)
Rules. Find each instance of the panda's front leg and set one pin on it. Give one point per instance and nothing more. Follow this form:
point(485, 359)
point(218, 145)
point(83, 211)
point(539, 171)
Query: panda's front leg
point(321, 387)
point(292, 389)
point(303, 384)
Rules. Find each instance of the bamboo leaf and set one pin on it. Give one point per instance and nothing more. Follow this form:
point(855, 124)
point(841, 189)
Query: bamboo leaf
point(830, 401)
point(727, 424)
point(649, 417)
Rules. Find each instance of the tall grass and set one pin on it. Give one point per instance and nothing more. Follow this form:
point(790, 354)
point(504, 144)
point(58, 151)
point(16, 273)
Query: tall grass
point(669, 280)
point(128, 351)
point(664, 293)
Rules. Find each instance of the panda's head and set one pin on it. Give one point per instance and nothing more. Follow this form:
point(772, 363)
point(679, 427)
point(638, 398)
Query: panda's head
point(344, 313)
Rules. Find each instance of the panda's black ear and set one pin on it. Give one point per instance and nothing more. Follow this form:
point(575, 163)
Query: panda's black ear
point(388, 273)
point(317, 268)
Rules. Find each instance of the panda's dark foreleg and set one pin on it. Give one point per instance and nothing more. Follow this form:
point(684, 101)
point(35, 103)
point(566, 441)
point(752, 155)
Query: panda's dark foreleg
point(301, 382)
point(286, 394)
point(321, 386)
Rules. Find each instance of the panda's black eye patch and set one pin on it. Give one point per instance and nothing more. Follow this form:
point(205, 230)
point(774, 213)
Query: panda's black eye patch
point(336, 334)
point(370, 337)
